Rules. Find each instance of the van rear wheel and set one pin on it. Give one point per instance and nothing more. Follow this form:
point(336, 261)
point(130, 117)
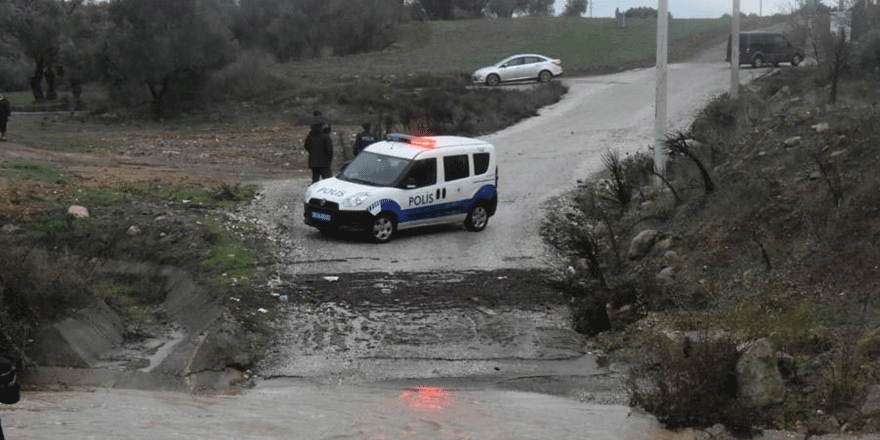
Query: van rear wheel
point(383, 228)
point(795, 60)
point(758, 62)
point(477, 219)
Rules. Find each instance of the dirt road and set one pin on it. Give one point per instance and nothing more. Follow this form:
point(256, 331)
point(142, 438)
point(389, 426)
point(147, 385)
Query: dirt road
point(539, 158)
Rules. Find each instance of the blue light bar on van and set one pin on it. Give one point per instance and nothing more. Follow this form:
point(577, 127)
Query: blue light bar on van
point(399, 137)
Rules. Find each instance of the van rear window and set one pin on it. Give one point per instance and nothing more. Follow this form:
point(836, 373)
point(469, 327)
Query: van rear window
point(481, 163)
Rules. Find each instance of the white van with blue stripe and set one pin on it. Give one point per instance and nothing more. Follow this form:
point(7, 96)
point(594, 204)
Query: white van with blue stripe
point(406, 182)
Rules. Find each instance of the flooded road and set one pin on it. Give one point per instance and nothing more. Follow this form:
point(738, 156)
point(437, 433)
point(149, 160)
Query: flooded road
point(296, 410)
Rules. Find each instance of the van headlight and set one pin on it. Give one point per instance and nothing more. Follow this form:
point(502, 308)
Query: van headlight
point(355, 200)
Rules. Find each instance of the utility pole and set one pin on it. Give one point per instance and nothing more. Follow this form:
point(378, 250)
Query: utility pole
point(734, 51)
point(660, 155)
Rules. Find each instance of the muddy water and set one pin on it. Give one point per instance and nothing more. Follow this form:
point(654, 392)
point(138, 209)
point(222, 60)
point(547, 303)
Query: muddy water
point(286, 409)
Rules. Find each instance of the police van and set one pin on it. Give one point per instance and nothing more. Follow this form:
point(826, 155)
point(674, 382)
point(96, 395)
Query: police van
point(406, 182)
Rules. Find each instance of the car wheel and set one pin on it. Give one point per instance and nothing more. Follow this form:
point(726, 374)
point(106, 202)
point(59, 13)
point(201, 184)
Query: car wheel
point(796, 59)
point(493, 80)
point(477, 219)
point(545, 76)
point(383, 228)
point(758, 62)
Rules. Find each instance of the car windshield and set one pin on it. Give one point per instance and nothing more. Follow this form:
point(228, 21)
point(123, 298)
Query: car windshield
point(374, 169)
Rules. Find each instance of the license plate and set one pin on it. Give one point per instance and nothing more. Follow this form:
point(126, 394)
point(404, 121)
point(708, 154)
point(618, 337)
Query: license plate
point(321, 216)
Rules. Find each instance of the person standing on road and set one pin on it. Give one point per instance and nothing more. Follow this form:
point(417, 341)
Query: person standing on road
point(363, 139)
point(320, 148)
point(5, 111)
point(10, 390)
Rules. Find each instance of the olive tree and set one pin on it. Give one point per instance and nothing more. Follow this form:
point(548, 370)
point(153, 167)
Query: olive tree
point(291, 29)
point(575, 8)
point(165, 46)
point(37, 27)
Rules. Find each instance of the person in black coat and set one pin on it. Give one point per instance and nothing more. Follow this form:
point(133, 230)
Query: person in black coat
point(364, 138)
point(10, 390)
point(5, 111)
point(320, 148)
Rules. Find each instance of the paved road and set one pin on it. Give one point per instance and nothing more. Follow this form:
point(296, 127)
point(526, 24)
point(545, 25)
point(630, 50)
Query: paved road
point(538, 158)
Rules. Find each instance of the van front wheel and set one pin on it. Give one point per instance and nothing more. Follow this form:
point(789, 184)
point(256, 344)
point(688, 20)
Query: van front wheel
point(477, 219)
point(795, 60)
point(383, 228)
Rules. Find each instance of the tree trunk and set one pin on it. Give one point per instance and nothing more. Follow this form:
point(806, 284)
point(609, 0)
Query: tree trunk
point(51, 94)
point(158, 93)
point(37, 82)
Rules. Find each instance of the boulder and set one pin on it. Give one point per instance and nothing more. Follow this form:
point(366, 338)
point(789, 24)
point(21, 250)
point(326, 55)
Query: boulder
point(642, 243)
point(77, 211)
point(757, 374)
point(871, 403)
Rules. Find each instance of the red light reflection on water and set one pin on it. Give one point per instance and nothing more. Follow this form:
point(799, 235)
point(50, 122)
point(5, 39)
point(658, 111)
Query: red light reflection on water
point(426, 398)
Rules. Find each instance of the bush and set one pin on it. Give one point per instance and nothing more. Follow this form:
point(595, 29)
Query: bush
point(867, 51)
point(252, 74)
point(692, 385)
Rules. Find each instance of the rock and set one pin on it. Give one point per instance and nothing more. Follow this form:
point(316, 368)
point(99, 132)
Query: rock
point(642, 243)
point(133, 231)
point(662, 246)
point(224, 346)
point(77, 211)
point(871, 402)
point(9, 228)
point(758, 377)
point(821, 127)
point(667, 275)
point(792, 141)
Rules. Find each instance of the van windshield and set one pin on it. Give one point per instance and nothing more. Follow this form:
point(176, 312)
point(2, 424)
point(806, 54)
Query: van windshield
point(375, 169)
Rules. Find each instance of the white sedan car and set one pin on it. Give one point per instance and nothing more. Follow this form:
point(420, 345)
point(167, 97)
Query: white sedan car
point(522, 67)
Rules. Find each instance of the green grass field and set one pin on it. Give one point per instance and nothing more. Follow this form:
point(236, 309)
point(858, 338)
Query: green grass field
point(585, 46)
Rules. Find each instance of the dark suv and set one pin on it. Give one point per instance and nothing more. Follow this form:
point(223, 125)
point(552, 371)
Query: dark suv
point(762, 48)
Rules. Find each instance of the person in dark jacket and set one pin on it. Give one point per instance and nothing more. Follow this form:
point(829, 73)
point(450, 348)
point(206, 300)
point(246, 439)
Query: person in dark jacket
point(10, 391)
point(5, 111)
point(320, 148)
point(363, 139)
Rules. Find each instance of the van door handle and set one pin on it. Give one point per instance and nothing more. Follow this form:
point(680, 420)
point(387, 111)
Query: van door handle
point(438, 194)
point(444, 193)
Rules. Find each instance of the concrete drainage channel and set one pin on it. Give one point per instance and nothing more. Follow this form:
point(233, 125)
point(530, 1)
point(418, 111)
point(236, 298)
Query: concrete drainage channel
point(191, 352)
point(388, 326)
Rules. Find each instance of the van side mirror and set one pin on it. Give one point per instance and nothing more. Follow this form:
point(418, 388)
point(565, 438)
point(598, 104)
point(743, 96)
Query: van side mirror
point(410, 183)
